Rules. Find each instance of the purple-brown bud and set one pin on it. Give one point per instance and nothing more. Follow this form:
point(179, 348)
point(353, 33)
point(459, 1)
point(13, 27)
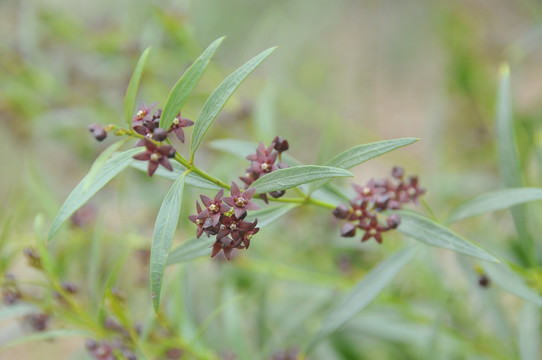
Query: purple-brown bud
point(341, 211)
point(281, 144)
point(97, 131)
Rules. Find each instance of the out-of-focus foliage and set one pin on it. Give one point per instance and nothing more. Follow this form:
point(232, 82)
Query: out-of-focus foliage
point(345, 73)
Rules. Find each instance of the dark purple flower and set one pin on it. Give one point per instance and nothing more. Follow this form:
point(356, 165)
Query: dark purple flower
point(367, 192)
point(177, 126)
point(201, 223)
point(156, 155)
point(224, 244)
point(213, 207)
point(98, 131)
point(240, 201)
point(281, 144)
point(372, 229)
point(143, 114)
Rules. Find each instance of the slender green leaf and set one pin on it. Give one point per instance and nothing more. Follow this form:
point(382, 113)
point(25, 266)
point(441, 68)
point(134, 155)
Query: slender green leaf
point(243, 148)
point(432, 233)
point(218, 98)
point(100, 162)
point(47, 335)
point(164, 230)
point(288, 178)
point(264, 113)
point(362, 153)
point(363, 293)
point(190, 250)
point(496, 200)
point(78, 197)
point(192, 179)
point(233, 322)
point(133, 86)
point(508, 280)
point(186, 84)
point(529, 331)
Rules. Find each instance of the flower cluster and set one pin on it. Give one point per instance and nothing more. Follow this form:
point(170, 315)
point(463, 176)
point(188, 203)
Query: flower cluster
point(375, 197)
point(147, 123)
point(264, 161)
point(224, 217)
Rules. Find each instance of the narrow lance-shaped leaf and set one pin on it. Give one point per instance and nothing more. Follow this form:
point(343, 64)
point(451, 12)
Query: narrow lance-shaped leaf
point(432, 233)
point(164, 230)
point(288, 178)
point(133, 86)
point(362, 153)
point(506, 279)
point(218, 98)
point(363, 293)
point(100, 162)
point(186, 84)
point(495, 200)
point(78, 197)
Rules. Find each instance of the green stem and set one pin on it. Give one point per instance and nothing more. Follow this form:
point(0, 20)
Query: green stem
point(190, 167)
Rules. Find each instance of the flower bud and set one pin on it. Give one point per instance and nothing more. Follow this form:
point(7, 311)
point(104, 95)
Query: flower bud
point(393, 221)
point(341, 211)
point(97, 131)
point(281, 144)
point(159, 134)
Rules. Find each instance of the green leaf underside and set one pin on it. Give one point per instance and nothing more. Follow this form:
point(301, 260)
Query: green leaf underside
point(47, 335)
point(288, 178)
point(100, 162)
point(192, 179)
point(363, 293)
point(195, 248)
point(509, 281)
point(220, 96)
point(164, 230)
point(78, 197)
point(432, 233)
point(361, 153)
point(131, 91)
point(496, 200)
point(186, 84)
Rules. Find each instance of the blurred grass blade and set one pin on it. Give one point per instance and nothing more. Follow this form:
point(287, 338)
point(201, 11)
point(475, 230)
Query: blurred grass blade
point(164, 230)
point(100, 162)
point(432, 233)
point(192, 179)
point(218, 98)
point(233, 321)
point(506, 143)
point(288, 178)
point(363, 293)
point(529, 331)
point(496, 200)
point(509, 162)
point(362, 153)
point(190, 250)
point(133, 86)
point(186, 84)
point(270, 214)
point(78, 197)
point(47, 335)
point(264, 114)
point(509, 281)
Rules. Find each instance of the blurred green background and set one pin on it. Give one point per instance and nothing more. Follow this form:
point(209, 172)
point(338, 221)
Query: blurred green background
point(344, 73)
